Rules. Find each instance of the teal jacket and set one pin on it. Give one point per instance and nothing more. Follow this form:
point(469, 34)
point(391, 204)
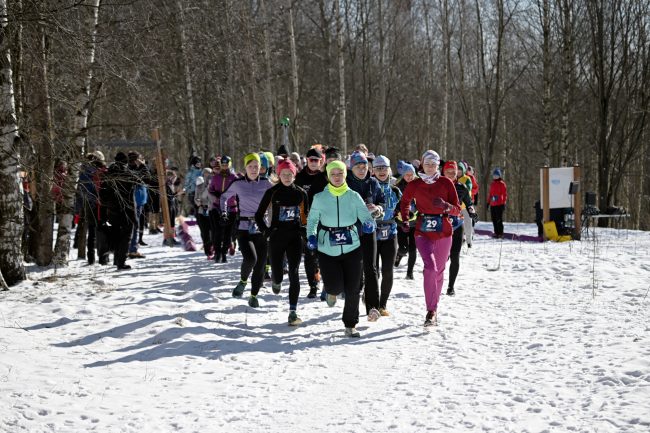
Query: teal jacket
point(329, 212)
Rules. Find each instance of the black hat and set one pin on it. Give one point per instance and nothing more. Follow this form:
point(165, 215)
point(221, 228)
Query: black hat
point(314, 153)
point(195, 160)
point(332, 152)
point(282, 150)
point(120, 157)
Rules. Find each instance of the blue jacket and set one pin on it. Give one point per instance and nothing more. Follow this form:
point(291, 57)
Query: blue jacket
point(367, 188)
point(392, 196)
point(190, 179)
point(329, 213)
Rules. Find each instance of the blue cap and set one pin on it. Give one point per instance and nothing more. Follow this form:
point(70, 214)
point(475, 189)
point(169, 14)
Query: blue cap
point(497, 172)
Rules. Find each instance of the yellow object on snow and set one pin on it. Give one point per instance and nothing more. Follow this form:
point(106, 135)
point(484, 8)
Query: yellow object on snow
point(550, 230)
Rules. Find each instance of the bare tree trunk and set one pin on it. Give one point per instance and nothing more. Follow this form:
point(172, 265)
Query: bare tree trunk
point(268, 90)
point(381, 108)
point(187, 75)
point(295, 121)
point(11, 206)
point(42, 134)
point(446, 47)
point(547, 143)
point(568, 78)
point(250, 57)
point(343, 142)
point(76, 151)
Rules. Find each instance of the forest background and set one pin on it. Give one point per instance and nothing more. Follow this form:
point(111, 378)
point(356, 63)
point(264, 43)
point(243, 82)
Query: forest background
point(517, 84)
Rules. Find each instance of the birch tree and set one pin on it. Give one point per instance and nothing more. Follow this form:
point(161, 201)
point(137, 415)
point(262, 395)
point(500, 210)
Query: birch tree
point(11, 208)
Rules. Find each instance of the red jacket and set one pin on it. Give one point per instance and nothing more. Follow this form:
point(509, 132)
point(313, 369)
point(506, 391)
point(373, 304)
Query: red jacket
point(498, 193)
point(423, 194)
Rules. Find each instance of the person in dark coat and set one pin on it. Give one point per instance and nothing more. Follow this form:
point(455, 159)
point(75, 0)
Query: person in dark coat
point(117, 211)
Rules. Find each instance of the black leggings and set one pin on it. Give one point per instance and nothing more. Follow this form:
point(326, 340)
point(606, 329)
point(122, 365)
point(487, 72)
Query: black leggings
point(221, 232)
point(454, 255)
point(205, 229)
point(406, 242)
point(253, 250)
point(287, 242)
point(496, 212)
point(343, 274)
point(311, 264)
point(387, 252)
point(370, 280)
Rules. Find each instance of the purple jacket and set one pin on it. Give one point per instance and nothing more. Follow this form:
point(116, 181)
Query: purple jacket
point(220, 183)
point(249, 193)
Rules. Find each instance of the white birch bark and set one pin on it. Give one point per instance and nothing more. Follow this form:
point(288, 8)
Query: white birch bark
point(11, 209)
point(42, 135)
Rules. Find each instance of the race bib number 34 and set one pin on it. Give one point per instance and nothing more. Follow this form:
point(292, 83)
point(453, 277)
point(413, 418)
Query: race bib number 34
point(431, 223)
point(340, 237)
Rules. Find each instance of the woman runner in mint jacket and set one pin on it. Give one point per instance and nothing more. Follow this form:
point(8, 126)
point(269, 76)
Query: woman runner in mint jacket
point(332, 229)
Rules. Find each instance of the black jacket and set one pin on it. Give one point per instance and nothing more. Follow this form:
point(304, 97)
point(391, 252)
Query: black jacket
point(289, 208)
point(311, 183)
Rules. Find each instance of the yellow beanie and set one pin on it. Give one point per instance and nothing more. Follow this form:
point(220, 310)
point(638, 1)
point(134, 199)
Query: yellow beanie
point(336, 164)
point(251, 157)
point(271, 158)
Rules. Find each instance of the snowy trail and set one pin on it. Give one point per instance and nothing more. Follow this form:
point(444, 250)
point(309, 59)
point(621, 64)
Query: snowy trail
point(165, 347)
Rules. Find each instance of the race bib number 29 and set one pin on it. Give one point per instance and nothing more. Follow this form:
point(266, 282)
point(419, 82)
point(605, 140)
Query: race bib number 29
point(431, 223)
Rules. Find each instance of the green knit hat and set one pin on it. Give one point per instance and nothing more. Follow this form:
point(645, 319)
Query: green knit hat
point(336, 164)
point(251, 157)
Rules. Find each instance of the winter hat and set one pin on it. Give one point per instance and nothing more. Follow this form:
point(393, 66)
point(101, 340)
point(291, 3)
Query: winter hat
point(226, 161)
point(404, 167)
point(332, 152)
point(271, 158)
point(251, 157)
point(415, 163)
point(462, 167)
point(133, 156)
point(497, 172)
point(121, 157)
point(206, 171)
point(371, 158)
point(99, 155)
point(282, 150)
point(336, 164)
point(381, 161)
point(450, 164)
point(287, 164)
point(314, 153)
point(431, 155)
point(357, 158)
point(264, 160)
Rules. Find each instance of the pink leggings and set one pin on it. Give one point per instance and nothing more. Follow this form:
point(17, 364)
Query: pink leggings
point(434, 255)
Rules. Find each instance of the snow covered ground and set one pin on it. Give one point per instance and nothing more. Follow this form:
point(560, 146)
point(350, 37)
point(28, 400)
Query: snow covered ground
point(556, 339)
